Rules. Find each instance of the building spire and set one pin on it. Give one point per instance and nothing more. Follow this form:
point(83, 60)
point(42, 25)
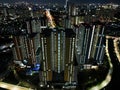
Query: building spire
point(66, 2)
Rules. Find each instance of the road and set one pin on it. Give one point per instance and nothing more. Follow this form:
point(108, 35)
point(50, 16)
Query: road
point(109, 75)
point(13, 87)
point(115, 81)
point(116, 47)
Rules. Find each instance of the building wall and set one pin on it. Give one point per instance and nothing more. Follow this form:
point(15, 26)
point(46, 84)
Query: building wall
point(58, 53)
point(89, 43)
point(27, 44)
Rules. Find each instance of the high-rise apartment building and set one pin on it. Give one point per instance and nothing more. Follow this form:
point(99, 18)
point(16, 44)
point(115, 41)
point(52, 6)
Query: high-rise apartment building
point(27, 43)
point(57, 55)
point(90, 43)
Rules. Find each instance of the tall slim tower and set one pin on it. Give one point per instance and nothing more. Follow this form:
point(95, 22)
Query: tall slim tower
point(66, 3)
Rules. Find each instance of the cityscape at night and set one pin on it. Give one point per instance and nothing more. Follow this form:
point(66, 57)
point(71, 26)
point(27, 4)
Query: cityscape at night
point(59, 45)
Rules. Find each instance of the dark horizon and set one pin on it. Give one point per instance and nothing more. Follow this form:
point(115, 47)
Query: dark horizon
point(62, 1)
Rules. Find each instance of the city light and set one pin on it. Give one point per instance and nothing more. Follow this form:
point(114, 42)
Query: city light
point(51, 22)
point(13, 87)
point(59, 45)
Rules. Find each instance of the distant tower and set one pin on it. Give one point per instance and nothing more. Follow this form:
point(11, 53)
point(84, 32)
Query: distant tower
point(5, 12)
point(66, 3)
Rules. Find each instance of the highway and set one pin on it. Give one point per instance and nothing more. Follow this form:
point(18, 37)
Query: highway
point(116, 66)
point(109, 75)
point(116, 48)
point(12, 87)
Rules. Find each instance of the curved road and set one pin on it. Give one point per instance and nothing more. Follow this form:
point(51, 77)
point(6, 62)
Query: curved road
point(117, 48)
point(109, 75)
point(12, 87)
point(16, 87)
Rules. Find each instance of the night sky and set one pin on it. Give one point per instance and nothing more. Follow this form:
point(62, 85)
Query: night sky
point(63, 1)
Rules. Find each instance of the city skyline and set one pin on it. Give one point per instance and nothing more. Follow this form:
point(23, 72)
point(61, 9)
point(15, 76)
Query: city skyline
point(62, 1)
point(59, 44)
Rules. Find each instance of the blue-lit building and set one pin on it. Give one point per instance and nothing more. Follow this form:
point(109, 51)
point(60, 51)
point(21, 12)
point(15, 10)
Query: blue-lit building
point(90, 46)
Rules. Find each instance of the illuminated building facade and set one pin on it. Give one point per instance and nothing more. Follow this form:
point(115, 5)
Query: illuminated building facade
point(27, 43)
point(90, 43)
point(57, 55)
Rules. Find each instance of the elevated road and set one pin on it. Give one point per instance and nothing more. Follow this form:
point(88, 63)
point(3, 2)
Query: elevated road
point(109, 75)
point(116, 48)
point(12, 87)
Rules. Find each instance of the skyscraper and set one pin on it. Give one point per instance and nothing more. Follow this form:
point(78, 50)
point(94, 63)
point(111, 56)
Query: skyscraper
point(58, 55)
point(90, 43)
point(27, 43)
